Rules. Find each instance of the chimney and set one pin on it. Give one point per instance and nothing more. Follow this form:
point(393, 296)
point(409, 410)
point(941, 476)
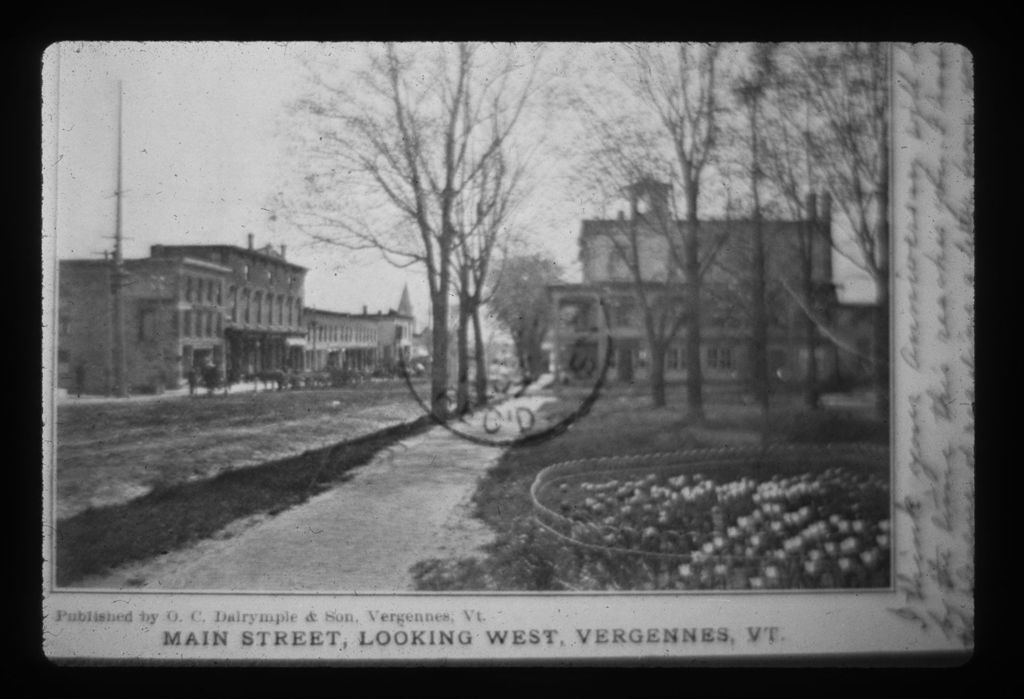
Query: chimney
point(284, 249)
point(622, 215)
point(250, 240)
point(364, 310)
point(812, 207)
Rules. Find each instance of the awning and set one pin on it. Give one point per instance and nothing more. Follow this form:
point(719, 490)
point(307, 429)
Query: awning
point(295, 342)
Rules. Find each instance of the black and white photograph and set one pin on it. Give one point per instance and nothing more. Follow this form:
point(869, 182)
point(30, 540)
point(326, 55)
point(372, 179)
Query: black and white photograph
point(440, 351)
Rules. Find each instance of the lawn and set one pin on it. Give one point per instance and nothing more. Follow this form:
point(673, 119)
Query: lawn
point(175, 516)
point(112, 452)
point(526, 556)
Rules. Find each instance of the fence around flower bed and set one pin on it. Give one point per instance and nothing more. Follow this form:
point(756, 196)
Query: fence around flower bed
point(804, 559)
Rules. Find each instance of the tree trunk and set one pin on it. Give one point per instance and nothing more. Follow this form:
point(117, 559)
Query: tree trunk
point(462, 338)
point(439, 360)
point(657, 373)
point(881, 346)
point(759, 340)
point(880, 350)
point(811, 392)
point(694, 372)
point(481, 360)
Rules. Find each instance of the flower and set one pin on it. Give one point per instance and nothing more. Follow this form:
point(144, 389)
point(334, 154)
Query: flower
point(721, 569)
point(757, 583)
point(685, 570)
point(883, 540)
point(771, 572)
point(844, 564)
point(849, 545)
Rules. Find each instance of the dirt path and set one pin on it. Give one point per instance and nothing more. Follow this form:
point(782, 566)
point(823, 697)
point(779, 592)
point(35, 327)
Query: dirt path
point(412, 502)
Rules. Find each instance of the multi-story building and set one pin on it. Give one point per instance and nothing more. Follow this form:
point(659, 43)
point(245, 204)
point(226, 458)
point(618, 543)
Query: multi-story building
point(260, 305)
point(172, 321)
point(360, 342)
point(336, 340)
point(609, 303)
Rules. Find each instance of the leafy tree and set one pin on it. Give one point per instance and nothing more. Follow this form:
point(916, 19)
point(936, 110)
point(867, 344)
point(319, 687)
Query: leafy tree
point(519, 302)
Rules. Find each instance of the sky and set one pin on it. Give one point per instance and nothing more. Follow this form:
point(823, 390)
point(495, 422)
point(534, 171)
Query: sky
point(203, 153)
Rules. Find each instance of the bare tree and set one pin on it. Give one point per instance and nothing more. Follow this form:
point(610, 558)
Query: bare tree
point(672, 136)
point(642, 250)
point(482, 230)
point(682, 89)
point(391, 155)
point(848, 89)
point(750, 90)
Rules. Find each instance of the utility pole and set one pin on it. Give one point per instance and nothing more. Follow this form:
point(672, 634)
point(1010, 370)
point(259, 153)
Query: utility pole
point(118, 276)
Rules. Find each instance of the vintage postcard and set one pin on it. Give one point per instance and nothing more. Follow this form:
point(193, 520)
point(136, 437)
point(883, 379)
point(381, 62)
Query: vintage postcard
point(456, 352)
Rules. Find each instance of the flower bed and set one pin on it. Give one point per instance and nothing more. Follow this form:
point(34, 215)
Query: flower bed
point(784, 517)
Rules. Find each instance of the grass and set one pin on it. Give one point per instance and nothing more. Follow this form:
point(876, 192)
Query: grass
point(524, 556)
point(109, 452)
point(173, 517)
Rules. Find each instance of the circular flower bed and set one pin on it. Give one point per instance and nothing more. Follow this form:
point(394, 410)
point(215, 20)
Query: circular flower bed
point(785, 517)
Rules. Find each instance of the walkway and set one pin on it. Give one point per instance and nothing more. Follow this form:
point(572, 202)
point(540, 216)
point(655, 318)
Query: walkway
point(412, 502)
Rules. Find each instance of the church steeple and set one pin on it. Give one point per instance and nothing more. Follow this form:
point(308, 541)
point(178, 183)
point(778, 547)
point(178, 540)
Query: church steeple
point(405, 305)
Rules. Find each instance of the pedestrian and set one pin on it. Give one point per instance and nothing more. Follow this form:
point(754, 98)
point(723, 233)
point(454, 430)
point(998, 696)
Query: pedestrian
point(193, 379)
point(80, 379)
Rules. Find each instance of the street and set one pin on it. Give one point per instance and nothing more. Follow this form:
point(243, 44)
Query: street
point(111, 451)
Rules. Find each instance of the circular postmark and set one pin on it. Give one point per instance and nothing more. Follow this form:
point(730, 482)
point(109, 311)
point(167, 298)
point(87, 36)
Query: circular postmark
point(509, 410)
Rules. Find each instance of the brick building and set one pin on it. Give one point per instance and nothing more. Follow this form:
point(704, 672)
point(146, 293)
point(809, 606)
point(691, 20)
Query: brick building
point(336, 340)
point(607, 300)
point(261, 305)
point(172, 319)
point(360, 342)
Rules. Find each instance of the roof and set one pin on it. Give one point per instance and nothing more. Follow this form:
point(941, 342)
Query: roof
point(595, 227)
point(405, 304)
point(259, 253)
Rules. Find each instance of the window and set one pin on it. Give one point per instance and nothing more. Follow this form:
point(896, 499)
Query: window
point(247, 302)
point(186, 324)
point(218, 323)
point(209, 324)
point(233, 297)
point(247, 273)
point(259, 308)
point(280, 310)
point(63, 356)
point(624, 313)
point(719, 357)
point(188, 288)
point(219, 291)
point(674, 359)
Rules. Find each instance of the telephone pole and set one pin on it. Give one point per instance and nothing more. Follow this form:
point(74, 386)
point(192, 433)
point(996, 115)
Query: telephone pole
point(118, 276)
